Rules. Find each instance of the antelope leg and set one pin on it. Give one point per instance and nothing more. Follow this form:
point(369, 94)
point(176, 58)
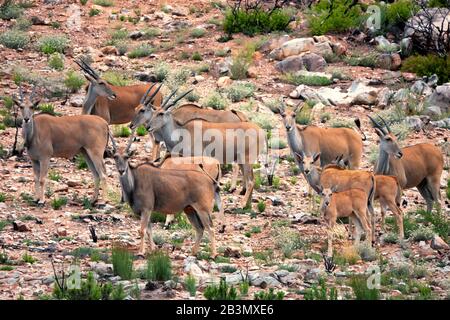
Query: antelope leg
point(145, 218)
point(43, 170)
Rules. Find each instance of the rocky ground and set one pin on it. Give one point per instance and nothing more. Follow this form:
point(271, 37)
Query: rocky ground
point(279, 247)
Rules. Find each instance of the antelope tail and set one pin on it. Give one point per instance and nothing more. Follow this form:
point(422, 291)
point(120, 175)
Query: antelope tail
point(216, 182)
point(358, 126)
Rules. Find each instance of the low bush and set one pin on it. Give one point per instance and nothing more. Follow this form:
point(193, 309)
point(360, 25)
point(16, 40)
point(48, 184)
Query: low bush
point(258, 20)
point(74, 81)
point(159, 266)
point(428, 65)
point(53, 43)
point(198, 32)
point(240, 90)
point(358, 283)
point(14, 39)
point(310, 80)
point(58, 203)
point(122, 261)
point(143, 50)
point(104, 3)
point(215, 101)
point(221, 292)
point(56, 61)
point(269, 295)
point(321, 291)
point(10, 10)
point(335, 16)
point(116, 78)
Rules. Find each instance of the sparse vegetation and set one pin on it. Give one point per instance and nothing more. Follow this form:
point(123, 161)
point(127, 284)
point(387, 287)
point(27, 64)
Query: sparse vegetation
point(143, 50)
point(56, 61)
point(321, 291)
point(198, 32)
point(104, 3)
point(358, 283)
point(240, 90)
point(190, 283)
point(53, 43)
point(215, 101)
point(122, 261)
point(14, 39)
point(58, 203)
point(310, 80)
point(221, 292)
point(269, 295)
point(161, 71)
point(428, 65)
point(74, 81)
point(121, 131)
point(116, 78)
point(159, 266)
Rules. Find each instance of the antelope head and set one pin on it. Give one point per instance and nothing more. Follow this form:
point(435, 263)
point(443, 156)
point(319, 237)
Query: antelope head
point(144, 111)
point(122, 155)
point(27, 110)
point(388, 141)
point(309, 163)
point(98, 86)
point(288, 116)
point(326, 195)
point(156, 118)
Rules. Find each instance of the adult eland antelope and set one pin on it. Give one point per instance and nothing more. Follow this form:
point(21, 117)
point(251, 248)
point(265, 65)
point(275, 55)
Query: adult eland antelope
point(48, 136)
point(419, 165)
point(148, 188)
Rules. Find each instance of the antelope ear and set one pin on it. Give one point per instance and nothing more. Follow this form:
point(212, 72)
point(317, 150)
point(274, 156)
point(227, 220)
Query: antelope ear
point(379, 132)
point(333, 189)
point(316, 156)
point(17, 102)
point(36, 104)
point(298, 155)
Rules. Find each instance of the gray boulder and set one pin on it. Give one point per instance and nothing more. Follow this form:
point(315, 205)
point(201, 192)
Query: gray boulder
point(314, 62)
point(440, 98)
point(290, 64)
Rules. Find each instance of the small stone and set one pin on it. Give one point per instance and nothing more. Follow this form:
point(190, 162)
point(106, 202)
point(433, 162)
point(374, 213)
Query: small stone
point(136, 35)
point(110, 50)
point(20, 226)
point(252, 72)
point(232, 252)
point(438, 244)
point(62, 232)
point(76, 101)
point(224, 82)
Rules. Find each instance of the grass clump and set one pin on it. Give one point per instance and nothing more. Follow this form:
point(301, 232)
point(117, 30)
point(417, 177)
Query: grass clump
point(256, 20)
point(54, 176)
point(241, 62)
point(190, 283)
point(238, 91)
point(56, 61)
point(422, 233)
point(116, 78)
point(151, 33)
point(27, 258)
point(14, 39)
point(277, 143)
point(141, 131)
point(80, 162)
point(143, 50)
point(359, 285)
point(121, 131)
point(196, 56)
point(159, 266)
point(337, 16)
point(310, 80)
point(122, 261)
point(215, 101)
point(10, 10)
point(104, 3)
point(320, 291)
point(288, 241)
point(74, 81)
point(58, 203)
point(304, 116)
point(368, 61)
point(269, 295)
point(53, 43)
point(161, 71)
point(198, 32)
point(221, 292)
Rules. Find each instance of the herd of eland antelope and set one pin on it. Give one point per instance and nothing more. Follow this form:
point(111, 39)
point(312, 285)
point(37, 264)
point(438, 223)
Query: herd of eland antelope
point(200, 140)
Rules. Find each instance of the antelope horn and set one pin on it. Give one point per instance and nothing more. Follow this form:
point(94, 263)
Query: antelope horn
point(81, 65)
point(146, 94)
point(297, 106)
point(89, 69)
point(33, 93)
point(385, 123)
point(168, 98)
point(113, 142)
point(21, 93)
point(150, 99)
point(179, 98)
point(376, 124)
point(130, 142)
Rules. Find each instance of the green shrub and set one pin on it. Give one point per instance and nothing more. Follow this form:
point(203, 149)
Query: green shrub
point(321, 291)
point(241, 62)
point(367, 252)
point(9, 10)
point(94, 12)
point(428, 65)
point(254, 21)
point(198, 32)
point(104, 3)
point(221, 292)
point(342, 123)
point(83, 2)
point(54, 176)
point(121, 131)
point(204, 68)
point(159, 266)
point(343, 17)
point(221, 53)
point(14, 39)
point(122, 47)
point(151, 33)
point(116, 78)
point(261, 206)
point(358, 283)
point(74, 81)
point(448, 189)
point(240, 90)
point(143, 50)
point(89, 290)
point(422, 233)
point(196, 56)
point(118, 35)
point(215, 101)
point(80, 162)
point(141, 131)
point(265, 121)
point(122, 261)
point(53, 43)
point(27, 258)
point(397, 13)
point(310, 80)
point(439, 3)
point(56, 61)
point(193, 96)
point(3, 225)
point(391, 238)
point(304, 116)
point(2, 197)
point(269, 295)
point(288, 241)
point(191, 285)
point(48, 108)
point(161, 71)
point(438, 221)
point(57, 203)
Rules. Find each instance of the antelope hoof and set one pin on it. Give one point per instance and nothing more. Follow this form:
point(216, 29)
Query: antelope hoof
point(243, 191)
point(222, 228)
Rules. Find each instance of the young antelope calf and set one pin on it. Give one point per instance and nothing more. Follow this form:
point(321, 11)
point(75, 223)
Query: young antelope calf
point(148, 188)
point(351, 203)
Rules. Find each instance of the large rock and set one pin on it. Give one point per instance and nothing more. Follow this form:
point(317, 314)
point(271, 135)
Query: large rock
point(389, 61)
point(314, 62)
point(296, 46)
point(290, 64)
point(440, 98)
point(438, 244)
point(322, 48)
point(417, 27)
point(274, 43)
